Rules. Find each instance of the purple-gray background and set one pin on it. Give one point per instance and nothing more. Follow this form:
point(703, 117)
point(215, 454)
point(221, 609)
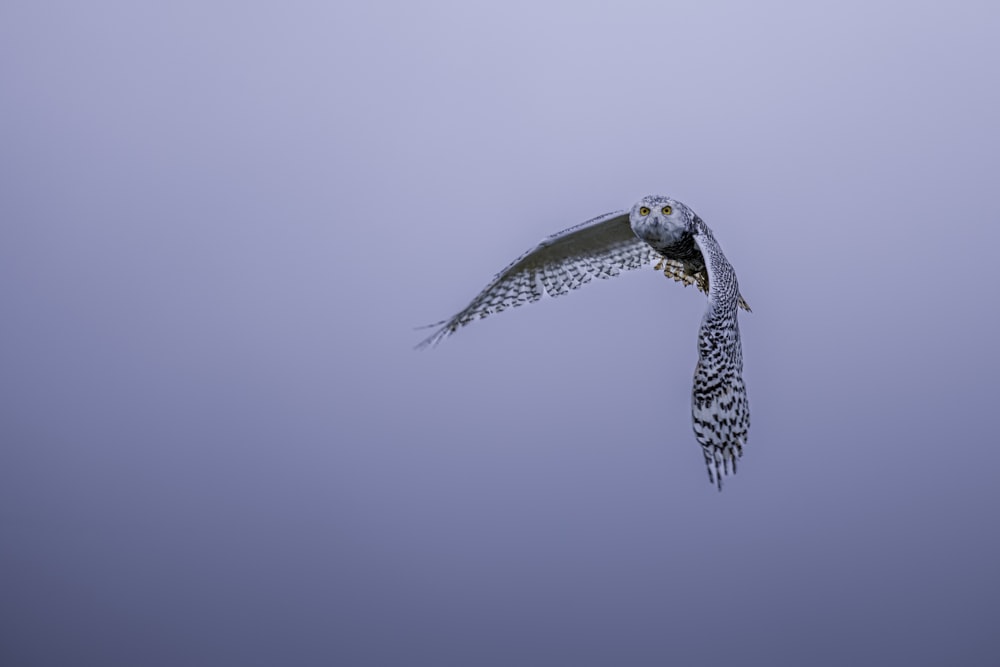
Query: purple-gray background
point(219, 223)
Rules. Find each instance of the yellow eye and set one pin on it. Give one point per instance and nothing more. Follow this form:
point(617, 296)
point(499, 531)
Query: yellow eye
point(666, 210)
point(644, 210)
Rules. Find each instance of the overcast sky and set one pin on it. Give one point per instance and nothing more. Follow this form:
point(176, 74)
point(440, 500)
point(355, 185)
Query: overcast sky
point(220, 222)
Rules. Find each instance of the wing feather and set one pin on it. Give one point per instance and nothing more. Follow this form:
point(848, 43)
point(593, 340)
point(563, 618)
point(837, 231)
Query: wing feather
point(602, 247)
point(720, 410)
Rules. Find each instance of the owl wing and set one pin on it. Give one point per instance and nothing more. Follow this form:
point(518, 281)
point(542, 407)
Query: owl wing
point(599, 248)
point(720, 410)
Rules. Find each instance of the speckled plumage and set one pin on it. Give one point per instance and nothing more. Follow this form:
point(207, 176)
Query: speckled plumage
point(720, 410)
point(657, 229)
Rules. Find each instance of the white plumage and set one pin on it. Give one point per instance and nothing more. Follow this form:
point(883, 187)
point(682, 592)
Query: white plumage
point(657, 229)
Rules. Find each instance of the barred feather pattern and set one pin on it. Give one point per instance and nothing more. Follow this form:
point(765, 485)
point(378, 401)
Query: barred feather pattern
point(602, 247)
point(719, 406)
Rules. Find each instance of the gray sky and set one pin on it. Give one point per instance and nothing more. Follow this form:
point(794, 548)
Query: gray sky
point(220, 222)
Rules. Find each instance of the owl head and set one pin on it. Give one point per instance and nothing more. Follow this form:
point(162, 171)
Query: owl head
point(661, 221)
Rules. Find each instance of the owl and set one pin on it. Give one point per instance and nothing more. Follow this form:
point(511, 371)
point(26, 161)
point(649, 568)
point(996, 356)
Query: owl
point(666, 233)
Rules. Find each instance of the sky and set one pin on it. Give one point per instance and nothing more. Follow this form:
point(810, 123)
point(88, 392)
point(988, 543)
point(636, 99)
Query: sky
point(220, 223)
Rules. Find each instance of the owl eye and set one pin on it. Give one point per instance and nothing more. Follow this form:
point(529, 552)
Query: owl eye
point(666, 210)
point(644, 210)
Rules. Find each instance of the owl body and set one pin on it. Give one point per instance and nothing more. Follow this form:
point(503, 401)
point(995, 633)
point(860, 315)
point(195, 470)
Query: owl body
point(665, 231)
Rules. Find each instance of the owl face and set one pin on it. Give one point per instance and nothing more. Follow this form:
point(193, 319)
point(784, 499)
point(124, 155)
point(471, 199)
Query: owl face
point(660, 221)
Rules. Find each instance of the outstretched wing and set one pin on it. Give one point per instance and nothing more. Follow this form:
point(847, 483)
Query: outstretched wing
point(599, 248)
point(719, 407)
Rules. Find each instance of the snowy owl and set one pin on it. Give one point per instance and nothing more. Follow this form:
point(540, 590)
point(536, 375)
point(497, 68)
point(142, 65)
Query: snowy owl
point(666, 231)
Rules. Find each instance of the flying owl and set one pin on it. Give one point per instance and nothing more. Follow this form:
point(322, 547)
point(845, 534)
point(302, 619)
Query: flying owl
point(666, 231)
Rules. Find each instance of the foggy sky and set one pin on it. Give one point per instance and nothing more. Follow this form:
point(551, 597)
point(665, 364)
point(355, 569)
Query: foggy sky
point(220, 223)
